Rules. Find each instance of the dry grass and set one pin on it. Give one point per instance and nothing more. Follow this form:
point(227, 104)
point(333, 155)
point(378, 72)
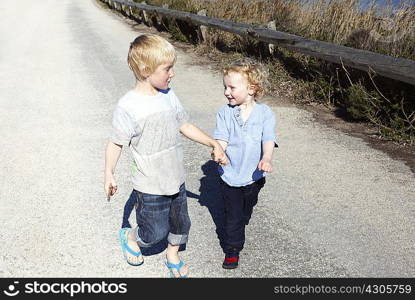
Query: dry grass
point(336, 21)
point(388, 105)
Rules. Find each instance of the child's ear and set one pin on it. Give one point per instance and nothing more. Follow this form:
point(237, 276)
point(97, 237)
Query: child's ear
point(252, 89)
point(144, 70)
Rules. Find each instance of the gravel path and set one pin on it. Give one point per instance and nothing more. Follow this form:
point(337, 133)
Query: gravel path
point(334, 207)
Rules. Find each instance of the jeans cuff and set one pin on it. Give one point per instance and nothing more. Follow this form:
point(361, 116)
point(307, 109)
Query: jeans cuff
point(177, 239)
point(140, 242)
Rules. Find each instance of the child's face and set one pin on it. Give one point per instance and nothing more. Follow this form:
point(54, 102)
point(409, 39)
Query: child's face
point(237, 89)
point(161, 77)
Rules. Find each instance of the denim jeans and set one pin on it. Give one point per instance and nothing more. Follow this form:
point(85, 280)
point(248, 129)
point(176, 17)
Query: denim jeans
point(160, 215)
point(239, 203)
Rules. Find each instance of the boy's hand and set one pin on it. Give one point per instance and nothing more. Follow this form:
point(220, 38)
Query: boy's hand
point(110, 186)
point(265, 165)
point(219, 156)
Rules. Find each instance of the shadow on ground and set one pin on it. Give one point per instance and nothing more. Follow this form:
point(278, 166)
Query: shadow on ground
point(210, 197)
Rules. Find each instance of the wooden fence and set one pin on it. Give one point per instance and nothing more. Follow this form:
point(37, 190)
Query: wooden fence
point(391, 67)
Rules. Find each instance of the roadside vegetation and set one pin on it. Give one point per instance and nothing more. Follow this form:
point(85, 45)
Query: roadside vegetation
point(385, 104)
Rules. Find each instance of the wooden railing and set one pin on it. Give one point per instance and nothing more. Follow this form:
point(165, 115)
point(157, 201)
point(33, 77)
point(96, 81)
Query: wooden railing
point(391, 67)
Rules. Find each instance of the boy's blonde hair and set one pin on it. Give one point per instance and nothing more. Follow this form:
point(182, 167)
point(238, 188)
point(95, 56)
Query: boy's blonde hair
point(255, 73)
point(147, 52)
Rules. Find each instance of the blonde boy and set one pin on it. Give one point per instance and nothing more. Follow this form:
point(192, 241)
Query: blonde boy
point(148, 120)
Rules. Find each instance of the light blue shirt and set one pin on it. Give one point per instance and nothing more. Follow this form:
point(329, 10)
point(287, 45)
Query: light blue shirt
point(244, 140)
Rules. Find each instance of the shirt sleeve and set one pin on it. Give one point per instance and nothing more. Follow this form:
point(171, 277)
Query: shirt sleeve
point(181, 114)
point(221, 131)
point(268, 133)
point(122, 127)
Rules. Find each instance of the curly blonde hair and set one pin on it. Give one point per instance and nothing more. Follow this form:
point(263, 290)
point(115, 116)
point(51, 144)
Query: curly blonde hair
point(255, 73)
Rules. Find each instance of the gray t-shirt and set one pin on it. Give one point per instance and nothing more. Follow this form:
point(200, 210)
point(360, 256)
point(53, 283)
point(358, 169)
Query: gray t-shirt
point(149, 125)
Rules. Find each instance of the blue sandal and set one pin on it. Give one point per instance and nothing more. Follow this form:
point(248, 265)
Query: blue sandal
point(124, 246)
point(178, 266)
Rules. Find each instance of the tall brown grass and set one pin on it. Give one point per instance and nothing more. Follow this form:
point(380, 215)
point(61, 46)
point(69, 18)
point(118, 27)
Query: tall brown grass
point(387, 104)
point(377, 29)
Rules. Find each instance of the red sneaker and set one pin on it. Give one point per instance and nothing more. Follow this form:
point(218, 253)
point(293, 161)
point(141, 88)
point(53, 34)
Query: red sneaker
point(231, 261)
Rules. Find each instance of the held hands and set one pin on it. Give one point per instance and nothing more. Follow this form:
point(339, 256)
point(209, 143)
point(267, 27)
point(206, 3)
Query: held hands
point(218, 155)
point(110, 186)
point(265, 165)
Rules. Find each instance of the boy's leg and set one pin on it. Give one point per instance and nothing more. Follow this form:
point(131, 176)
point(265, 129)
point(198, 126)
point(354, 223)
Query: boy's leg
point(131, 237)
point(234, 218)
point(251, 198)
point(152, 214)
point(128, 208)
point(179, 229)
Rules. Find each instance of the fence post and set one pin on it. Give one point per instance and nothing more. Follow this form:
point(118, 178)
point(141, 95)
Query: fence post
point(131, 9)
point(146, 18)
point(202, 32)
point(158, 17)
point(271, 47)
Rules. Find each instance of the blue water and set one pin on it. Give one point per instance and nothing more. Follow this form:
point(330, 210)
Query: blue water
point(395, 3)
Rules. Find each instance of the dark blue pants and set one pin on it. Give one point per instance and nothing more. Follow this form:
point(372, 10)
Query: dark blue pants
point(239, 203)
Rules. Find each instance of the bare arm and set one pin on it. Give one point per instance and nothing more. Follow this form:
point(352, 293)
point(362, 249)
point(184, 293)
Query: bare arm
point(195, 134)
point(223, 144)
point(112, 154)
point(265, 164)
